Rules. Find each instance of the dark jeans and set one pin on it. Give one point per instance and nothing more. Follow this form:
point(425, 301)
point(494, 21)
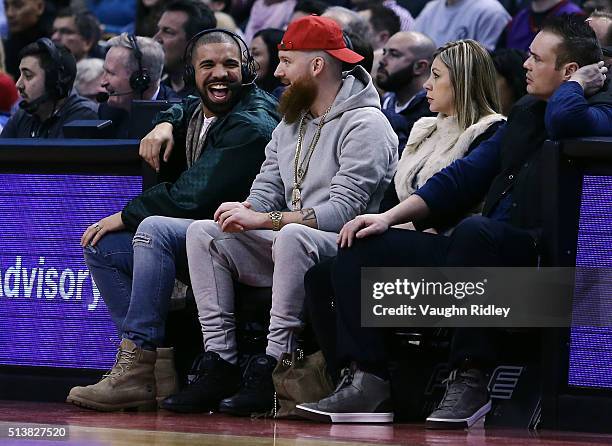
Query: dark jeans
point(476, 241)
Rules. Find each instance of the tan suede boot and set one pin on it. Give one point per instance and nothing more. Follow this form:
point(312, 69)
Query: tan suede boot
point(166, 380)
point(129, 385)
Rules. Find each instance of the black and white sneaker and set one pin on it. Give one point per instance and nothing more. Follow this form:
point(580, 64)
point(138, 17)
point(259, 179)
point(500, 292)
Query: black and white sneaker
point(465, 401)
point(359, 398)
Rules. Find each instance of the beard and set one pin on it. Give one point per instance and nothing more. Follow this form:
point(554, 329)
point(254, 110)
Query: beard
point(221, 108)
point(297, 98)
point(397, 80)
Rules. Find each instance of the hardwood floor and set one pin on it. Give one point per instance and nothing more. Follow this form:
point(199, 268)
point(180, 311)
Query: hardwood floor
point(164, 428)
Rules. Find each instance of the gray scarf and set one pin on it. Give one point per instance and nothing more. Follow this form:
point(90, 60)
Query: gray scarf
point(193, 142)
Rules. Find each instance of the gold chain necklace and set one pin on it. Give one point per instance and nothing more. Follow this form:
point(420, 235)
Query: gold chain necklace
point(300, 169)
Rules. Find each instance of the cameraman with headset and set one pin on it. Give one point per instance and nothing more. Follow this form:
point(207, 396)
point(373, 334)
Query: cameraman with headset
point(135, 255)
point(47, 72)
point(132, 70)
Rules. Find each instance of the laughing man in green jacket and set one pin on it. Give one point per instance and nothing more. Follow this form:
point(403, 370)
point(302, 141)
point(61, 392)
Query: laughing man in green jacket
point(135, 255)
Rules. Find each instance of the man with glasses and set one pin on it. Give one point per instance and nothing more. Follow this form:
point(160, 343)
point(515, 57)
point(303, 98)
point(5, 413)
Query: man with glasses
point(77, 32)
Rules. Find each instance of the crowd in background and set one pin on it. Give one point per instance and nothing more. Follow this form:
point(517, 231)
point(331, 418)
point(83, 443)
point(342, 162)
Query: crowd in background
point(85, 27)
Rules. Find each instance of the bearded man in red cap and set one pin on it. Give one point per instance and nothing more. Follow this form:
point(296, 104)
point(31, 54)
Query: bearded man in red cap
point(329, 160)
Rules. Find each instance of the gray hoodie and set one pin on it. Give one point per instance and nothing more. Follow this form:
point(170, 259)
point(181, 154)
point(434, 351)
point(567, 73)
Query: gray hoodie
point(352, 164)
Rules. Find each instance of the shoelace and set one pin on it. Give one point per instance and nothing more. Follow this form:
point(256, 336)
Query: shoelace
point(198, 375)
point(254, 374)
point(122, 362)
point(203, 371)
point(252, 379)
point(454, 389)
point(346, 378)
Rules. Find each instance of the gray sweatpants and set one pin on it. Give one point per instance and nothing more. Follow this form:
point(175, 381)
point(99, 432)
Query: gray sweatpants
point(259, 258)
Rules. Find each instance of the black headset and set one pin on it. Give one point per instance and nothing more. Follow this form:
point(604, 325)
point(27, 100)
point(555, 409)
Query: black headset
point(139, 80)
point(248, 68)
point(347, 41)
point(58, 80)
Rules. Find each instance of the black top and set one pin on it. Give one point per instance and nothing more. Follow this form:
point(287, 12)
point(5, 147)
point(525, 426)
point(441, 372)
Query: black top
point(187, 91)
point(402, 122)
point(121, 118)
point(25, 125)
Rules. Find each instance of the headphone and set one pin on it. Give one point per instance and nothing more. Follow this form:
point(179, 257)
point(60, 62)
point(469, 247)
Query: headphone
point(58, 81)
point(139, 80)
point(347, 41)
point(248, 68)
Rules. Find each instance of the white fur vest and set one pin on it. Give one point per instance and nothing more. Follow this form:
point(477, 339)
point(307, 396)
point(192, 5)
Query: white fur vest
point(433, 144)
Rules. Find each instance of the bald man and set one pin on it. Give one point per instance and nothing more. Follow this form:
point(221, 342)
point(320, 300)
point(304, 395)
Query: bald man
point(403, 68)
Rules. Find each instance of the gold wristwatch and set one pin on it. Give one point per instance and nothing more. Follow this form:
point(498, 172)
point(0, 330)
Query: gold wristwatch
point(277, 218)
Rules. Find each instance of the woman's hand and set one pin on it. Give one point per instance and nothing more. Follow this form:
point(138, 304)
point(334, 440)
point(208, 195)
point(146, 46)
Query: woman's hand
point(361, 227)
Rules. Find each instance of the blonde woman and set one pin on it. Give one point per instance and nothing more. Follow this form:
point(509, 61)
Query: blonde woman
point(462, 90)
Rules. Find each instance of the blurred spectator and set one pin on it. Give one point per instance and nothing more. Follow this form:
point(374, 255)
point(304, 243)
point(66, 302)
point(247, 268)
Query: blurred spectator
point(79, 33)
point(382, 24)
point(3, 24)
point(356, 28)
point(218, 5)
point(88, 82)
point(264, 49)
point(600, 5)
point(269, 14)
point(413, 6)
point(527, 23)
point(362, 47)
point(343, 3)
point(511, 80)
point(148, 13)
point(8, 91)
point(406, 19)
point(600, 22)
point(447, 20)
point(514, 6)
point(26, 24)
point(126, 78)
point(116, 16)
point(308, 7)
point(227, 22)
point(240, 10)
point(350, 21)
point(180, 21)
point(47, 98)
point(402, 71)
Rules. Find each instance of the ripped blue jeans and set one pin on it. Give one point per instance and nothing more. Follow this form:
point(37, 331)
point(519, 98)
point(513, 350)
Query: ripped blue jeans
point(135, 275)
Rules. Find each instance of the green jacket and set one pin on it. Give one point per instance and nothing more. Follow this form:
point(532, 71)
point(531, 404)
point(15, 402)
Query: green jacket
point(230, 160)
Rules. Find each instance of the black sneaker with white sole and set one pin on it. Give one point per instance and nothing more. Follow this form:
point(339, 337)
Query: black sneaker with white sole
point(465, 401)
point(359, 398)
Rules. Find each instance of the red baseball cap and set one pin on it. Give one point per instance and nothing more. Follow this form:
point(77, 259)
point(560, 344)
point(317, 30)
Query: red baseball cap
point(312, 33)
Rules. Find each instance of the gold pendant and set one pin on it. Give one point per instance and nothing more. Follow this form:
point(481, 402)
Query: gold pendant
point(296, 199)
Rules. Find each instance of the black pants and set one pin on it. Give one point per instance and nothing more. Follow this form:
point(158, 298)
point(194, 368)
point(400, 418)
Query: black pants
point(476, 241)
